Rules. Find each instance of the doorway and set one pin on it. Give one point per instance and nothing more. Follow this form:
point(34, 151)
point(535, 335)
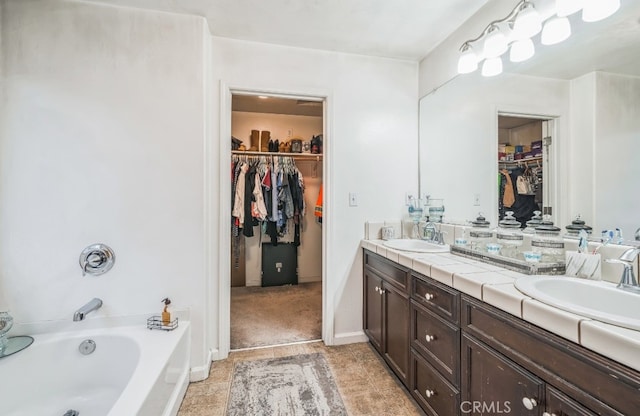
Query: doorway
point(276, 256)
point(524, 168)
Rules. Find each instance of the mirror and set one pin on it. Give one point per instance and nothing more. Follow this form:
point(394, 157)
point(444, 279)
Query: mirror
point(588, 86)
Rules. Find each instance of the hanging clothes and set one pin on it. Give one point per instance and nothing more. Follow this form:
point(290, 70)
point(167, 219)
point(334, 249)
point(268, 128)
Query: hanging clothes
point(318, 208)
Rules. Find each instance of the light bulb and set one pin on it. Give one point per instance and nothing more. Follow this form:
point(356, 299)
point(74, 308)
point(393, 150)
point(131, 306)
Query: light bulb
point(595, 10)
point(528, 22)
point(568, 7)
point(468, 61)
point(521, 50)
point(555, 31)
point(495, 44)
point(492, 67)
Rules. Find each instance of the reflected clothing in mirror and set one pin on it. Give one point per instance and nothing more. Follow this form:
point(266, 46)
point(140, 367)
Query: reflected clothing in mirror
point(522, 205)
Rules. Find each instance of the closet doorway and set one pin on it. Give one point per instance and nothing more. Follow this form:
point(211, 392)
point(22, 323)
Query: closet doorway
point(276, 224)
point(524, 166)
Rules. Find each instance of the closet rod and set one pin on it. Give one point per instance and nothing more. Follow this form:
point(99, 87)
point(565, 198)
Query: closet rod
point(306, 156)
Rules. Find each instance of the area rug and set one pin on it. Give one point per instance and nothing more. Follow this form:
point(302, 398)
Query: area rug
point(285, 386)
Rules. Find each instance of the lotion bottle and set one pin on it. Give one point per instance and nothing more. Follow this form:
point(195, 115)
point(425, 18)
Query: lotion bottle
point(166, 315)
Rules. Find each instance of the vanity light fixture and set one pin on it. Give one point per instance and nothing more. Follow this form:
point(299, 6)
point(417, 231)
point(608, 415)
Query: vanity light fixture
point(468, 61)
point(521, 50)
point(528, 22)
point(555, 30)
point(514, 32)
point(492, 67)
point(595, 10)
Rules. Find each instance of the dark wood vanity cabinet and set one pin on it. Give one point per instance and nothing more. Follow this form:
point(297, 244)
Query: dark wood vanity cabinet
point(386, 311)
point(462, 356)
point(435, 346)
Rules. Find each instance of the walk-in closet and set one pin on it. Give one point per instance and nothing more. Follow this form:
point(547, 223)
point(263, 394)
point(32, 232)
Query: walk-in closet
point(523, 154)
point(276, 222)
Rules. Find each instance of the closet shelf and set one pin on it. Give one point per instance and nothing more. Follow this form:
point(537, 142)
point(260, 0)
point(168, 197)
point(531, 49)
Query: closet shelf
point(298, 156)
point(521, 161)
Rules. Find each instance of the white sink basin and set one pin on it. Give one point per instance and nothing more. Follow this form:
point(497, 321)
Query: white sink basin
point(597, 300)
point(416, 246)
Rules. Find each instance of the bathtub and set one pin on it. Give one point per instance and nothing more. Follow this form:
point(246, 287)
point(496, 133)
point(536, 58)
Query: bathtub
point(133, 371)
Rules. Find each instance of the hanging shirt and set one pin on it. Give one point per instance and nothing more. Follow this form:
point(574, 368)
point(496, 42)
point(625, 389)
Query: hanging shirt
point(238, 205)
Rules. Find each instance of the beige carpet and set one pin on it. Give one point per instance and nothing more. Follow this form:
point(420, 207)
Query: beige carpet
point(276, 315)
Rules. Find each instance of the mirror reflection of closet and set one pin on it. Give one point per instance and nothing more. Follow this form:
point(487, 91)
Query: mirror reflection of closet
point(523, 168)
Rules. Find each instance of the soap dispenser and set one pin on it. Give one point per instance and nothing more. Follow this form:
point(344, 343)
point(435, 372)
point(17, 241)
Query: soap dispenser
point(166, 315)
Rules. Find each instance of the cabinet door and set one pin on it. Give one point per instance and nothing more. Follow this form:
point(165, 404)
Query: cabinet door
point(493, 384)
point(396, 331)
point(559, 404)
point(373, 309)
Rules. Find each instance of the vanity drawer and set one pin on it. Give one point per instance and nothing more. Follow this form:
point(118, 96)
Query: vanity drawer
point(388, 270)
point(437, 340)
point(437, 297)
point(432, 392)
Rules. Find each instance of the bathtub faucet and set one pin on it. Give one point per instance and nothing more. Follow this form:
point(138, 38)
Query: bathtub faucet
point(91, 306)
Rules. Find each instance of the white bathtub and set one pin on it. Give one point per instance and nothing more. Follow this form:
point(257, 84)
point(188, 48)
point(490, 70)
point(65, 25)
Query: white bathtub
point(133, 371)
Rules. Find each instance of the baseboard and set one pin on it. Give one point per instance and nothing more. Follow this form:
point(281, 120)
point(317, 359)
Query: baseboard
point(349, 338)
point(202, 372)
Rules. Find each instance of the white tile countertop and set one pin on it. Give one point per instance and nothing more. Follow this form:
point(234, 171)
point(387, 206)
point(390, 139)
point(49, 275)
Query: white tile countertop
point(495, 286)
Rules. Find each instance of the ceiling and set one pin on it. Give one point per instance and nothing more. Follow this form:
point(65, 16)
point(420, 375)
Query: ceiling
point(410, 29)
point(405, 29)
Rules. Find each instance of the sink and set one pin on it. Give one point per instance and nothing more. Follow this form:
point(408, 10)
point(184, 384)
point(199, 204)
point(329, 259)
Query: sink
point(597, 300)
point(416, 246)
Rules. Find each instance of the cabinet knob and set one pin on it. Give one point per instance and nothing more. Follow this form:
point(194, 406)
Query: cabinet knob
point(529, 403)
point(382, 291)
point(429, 338)
point(377, 289)
point(548, 414)
point(429, 393)
point(429, 296)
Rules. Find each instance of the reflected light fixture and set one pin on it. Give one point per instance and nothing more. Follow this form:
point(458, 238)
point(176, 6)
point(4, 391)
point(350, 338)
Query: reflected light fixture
point(495, 44)
point(595, 10)
point(528, 21)
point(492, 67)
point(514, 32)
point(568, 7)
point(468, 61)
point(521, 50)
point(555, 30)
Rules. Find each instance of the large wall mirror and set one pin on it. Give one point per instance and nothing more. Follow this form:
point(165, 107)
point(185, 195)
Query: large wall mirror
point(587, 89)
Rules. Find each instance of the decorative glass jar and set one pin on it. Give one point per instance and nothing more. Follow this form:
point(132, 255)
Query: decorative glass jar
point(6, 322)
point(509, 236)
point(548, 242)
point(533, 223)
point(480, 234)
point(577, 225)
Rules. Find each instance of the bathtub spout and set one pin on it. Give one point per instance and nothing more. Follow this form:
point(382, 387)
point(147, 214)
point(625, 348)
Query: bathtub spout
point(91, 306)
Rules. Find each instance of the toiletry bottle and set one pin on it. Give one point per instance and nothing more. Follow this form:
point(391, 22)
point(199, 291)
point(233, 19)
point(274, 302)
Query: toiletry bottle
point(166, 315)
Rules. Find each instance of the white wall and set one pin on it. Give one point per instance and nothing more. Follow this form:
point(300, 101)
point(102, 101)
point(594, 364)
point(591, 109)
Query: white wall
point(369, 147)
point(102, 135)
point(310, 249)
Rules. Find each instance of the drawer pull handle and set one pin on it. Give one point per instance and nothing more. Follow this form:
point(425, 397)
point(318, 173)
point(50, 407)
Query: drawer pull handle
point(429, 338)
point(429, 296)
point(529, 403)
point(429, 393)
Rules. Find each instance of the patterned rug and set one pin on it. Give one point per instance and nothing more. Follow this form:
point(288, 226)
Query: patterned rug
point(286, 386)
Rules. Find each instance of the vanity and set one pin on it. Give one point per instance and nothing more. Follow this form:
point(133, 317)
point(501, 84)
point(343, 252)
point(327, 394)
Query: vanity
point(463, 340)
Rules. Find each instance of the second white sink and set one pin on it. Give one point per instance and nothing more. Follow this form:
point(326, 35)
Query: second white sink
point(416, 246)
point(598, 300)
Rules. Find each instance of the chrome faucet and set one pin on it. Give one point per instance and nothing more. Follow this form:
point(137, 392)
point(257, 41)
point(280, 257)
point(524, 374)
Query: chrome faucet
point(628, 280)
point(91, 306)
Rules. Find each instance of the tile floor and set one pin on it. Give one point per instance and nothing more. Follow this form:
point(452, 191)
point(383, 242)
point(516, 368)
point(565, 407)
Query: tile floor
point(365, 383)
